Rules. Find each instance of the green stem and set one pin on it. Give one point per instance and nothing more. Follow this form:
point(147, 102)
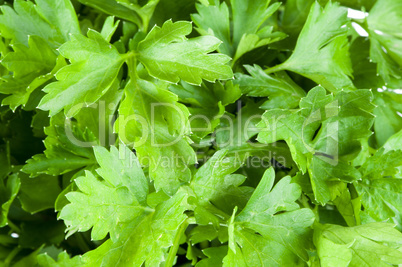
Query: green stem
point(132, 65)
point(275, 68)
point(129, 55)
point(14, 227)
point(6, 239)
point(11, 256)
point(176, 243)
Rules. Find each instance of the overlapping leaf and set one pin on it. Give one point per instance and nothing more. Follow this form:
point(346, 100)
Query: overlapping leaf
point(270, 224)
point(63, 260)
point(39, 193)
point(51, 20)
point(126, 9)
point(321, 51)
point(374, 244)
point(94, 67)
point(280, 89)
point(152, 119)
point(30, 67)
point(215, 256)
point(294, 16)
point(381, 186)
point(9, 189)
point(110, 204)
point(249, 29)
point(388, 120)
point(208, 103)
point(36, 31)
point(324, 133)
point(117, 205)
point(147, 238)
point(169, 56)
point(386, 41)
point(235, 132)
point(177, 108)
point(68, 148)
point(214, 183)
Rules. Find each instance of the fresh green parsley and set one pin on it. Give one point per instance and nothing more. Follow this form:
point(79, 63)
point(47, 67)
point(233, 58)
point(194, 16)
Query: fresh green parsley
point(200, 133)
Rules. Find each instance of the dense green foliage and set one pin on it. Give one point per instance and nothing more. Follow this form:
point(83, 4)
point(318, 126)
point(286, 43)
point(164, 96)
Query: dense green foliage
point(206, 133)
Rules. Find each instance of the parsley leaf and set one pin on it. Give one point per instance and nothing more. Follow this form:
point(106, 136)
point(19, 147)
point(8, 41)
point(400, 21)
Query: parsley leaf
point(281, 90)
point(125, 9)
point(95, 65)
point(248, 31)
point(381, 185)
point(53, 21)
point(146, 238)
point(157, 127)
point(26, 64)
point(168, 56)
point(63, 259)
point(388, 121)
point(308, 133)
point(118, 199)
point(214, 183)
point(208, 103)
point(385, 41)
point(9, 189)
point(364, 245)
point(271, 221)
point(269, 136)
point(36, 32)
point(68, 148)
point(321, 51)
